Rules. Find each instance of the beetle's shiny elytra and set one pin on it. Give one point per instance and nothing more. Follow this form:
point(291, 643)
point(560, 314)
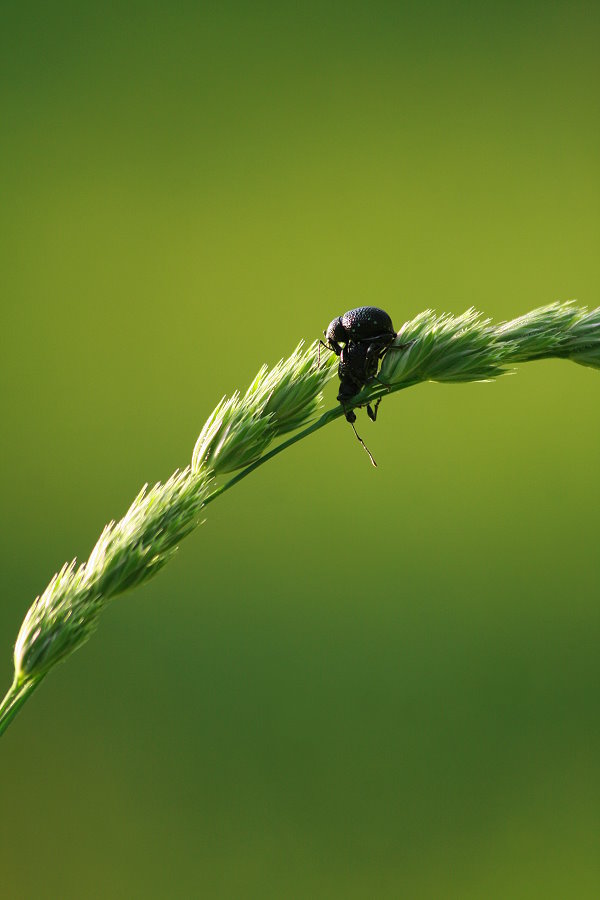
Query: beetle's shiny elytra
point(366, 323)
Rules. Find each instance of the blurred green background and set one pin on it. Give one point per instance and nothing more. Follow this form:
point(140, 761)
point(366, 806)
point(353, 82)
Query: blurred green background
point(351, 683)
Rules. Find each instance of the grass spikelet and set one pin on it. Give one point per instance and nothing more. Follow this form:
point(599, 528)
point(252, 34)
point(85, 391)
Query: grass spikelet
point(443, 348)
point(126, 554)
point(279, 400)
point(242, 433)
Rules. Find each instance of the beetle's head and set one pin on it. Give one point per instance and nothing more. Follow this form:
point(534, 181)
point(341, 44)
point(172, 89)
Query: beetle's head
point(335, 333)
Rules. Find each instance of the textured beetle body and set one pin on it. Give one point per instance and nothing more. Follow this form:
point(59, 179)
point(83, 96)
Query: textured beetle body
point(367, 324)
point(360, 338)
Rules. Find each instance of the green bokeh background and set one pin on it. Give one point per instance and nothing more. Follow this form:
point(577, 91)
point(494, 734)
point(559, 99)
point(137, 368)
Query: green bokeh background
point(351, 683)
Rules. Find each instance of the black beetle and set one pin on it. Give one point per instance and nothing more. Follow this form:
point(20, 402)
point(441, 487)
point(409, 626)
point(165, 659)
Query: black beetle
point(367, 334)
point(366, 323)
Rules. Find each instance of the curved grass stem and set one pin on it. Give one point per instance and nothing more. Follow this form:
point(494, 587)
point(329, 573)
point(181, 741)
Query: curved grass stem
point(15, 697)
point(244, 432)
point(337, 412)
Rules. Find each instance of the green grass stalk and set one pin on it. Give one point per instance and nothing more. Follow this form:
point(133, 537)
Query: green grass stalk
point(244, 432)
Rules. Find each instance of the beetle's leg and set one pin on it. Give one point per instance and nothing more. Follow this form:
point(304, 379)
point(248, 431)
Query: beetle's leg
point(384, 384)
point(373, 353)
point(372, 411)
point(398, 347)
point(332, 346)
point(382, 340)
point(327, 347)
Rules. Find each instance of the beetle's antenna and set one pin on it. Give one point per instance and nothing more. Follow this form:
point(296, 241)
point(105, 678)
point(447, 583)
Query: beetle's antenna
point(360, 440)
point(327, 347)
